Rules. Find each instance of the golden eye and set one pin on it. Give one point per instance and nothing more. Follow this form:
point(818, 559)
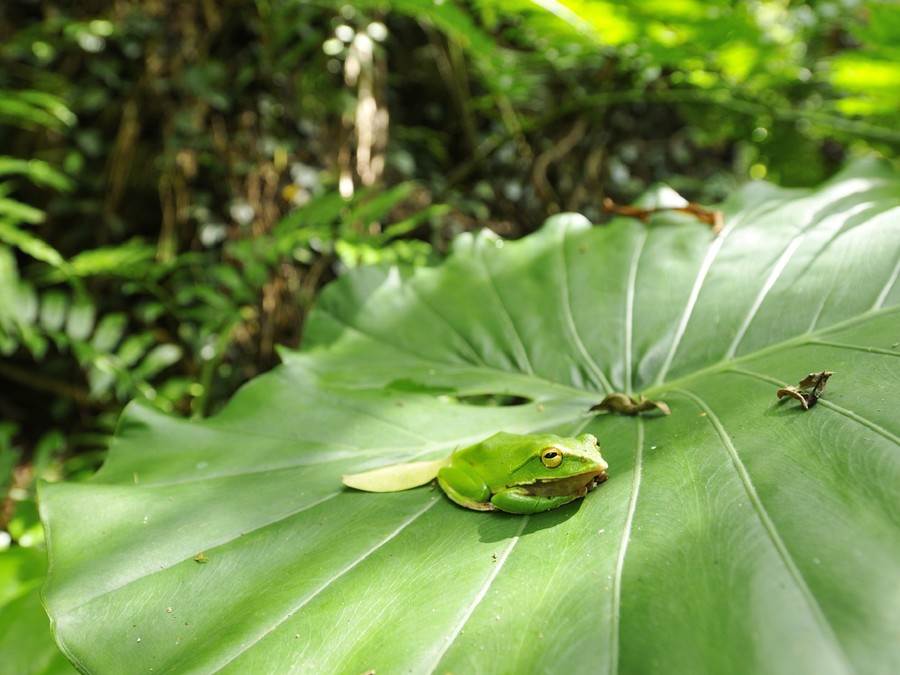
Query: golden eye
point(551, 457)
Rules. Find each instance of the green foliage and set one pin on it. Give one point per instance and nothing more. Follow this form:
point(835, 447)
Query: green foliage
point(176, 186)
point(871, 74)
point(739, 534)
point(26, 645)
point(112, 362)
point(202, 183)
point(34, 110)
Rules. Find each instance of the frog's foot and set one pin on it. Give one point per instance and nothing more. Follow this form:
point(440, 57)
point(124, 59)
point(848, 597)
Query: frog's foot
point(520, 500)
point(465, 488)
point(596, 481)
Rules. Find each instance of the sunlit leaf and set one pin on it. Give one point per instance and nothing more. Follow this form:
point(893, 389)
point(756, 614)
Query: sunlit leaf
point(80, 320)
point(735, 535)
point(160, 357)
point(109, 332)
point(54, 306)
point(34, 246)
point(18, 212)
point(36, 171)
point(125, 260)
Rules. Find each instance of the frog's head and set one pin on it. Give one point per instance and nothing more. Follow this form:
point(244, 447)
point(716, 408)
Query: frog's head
point(557, 465)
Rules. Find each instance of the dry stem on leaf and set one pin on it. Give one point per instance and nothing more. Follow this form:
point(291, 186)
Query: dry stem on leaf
point(808, 390)
point(623, 404)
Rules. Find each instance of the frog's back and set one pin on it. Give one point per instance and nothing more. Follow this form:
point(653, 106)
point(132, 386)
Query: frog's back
point(498, 456)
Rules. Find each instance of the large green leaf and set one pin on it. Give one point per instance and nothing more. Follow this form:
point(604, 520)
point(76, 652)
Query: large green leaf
point(736, 535)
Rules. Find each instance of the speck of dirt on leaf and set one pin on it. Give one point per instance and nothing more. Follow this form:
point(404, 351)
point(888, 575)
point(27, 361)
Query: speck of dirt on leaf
point(201, 558)
point(169, 610)
point(139, 639)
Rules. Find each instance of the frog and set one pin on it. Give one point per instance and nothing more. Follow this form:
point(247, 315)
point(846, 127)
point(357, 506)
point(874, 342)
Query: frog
point(514, 473)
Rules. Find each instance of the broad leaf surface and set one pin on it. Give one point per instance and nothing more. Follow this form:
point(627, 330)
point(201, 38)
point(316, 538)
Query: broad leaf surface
point(736, 535)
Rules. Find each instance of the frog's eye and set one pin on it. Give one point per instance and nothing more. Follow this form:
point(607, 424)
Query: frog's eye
point(551, 457)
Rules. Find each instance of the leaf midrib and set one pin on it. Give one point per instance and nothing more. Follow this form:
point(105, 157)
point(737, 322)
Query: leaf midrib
point(768, 526)
point(726, 364)
point(654, 390)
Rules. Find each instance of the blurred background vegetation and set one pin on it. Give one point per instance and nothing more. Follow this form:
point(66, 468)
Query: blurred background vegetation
point(179, 179)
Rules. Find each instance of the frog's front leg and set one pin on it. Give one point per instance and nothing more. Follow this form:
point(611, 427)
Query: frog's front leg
point(519, 500)
point(466, 488)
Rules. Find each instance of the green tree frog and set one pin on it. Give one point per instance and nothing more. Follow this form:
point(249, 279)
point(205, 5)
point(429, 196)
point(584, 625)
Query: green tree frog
point(508, 472)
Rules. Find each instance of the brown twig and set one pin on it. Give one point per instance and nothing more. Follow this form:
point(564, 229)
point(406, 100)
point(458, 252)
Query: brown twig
point(555, 153)
point(713, 218)
point(43, 383)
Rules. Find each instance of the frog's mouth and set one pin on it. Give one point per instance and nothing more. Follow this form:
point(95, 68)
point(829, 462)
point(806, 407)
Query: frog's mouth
point(579, 484)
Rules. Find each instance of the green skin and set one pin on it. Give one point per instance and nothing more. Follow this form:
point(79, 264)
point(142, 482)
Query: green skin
point(513, 473)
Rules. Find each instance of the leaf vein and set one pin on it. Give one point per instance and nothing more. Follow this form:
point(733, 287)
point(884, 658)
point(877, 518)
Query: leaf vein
point(521, 349)
point(629, 307)
point(723, 365)
point(214, 546)
point(702, 273)
point(694, 295)
point(427, 359)
point(856, 417)
point(892, 279)
point(476, 601)
point(858, 348)
point(318, 591)
point(550, 425)
point(770, 281)
point(616, 614)
point(478, 359)
point(769, 526)
point(571, 328)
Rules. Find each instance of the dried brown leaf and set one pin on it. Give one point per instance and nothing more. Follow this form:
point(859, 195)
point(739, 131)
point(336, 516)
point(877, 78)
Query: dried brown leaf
point(808, 390)
point(793, 392)
point(623, 404)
